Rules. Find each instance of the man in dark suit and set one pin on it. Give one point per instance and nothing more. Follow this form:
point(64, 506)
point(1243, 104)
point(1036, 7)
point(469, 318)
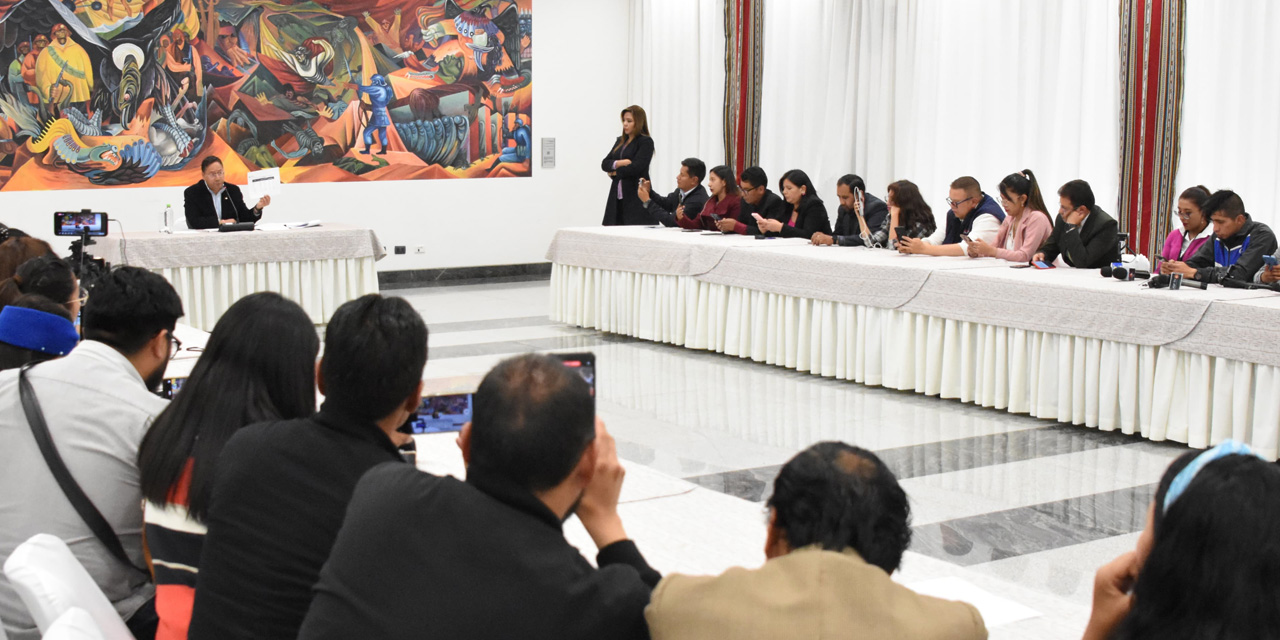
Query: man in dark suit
point(756, 198)
point(1084, 235)
point(425, 556)
point(848, 233)
point(687, 200)
point(212, 202)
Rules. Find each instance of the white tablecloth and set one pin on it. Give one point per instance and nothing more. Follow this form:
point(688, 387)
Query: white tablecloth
point(320, 268)
point(1065, 345)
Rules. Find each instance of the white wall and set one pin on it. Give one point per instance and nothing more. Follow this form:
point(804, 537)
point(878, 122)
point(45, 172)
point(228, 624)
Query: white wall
point(580, 85)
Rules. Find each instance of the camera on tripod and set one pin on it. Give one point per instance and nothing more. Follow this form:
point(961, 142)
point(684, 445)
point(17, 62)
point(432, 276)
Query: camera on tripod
point(86, 225)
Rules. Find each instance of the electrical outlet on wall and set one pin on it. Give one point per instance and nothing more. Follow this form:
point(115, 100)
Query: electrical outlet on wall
point(420, 250)
point(399, 249)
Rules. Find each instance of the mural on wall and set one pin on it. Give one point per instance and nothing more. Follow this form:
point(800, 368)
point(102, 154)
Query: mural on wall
point(138, 92)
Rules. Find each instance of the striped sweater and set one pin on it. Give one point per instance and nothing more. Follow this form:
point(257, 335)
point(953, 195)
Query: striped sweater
point(174, 541)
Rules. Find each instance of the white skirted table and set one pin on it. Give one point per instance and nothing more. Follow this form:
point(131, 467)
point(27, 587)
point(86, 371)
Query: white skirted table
point(1190, 366)
point(318, 267)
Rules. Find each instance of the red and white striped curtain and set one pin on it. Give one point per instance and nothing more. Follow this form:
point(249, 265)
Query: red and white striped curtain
point(743, 63)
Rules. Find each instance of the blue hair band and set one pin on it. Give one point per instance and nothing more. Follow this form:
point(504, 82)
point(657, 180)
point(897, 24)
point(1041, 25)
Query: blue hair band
point(37, 331)
point(1183, 479)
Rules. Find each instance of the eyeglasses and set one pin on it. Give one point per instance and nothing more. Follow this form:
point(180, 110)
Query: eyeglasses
point(1185, 215)
point(955, 203)
point(82, 298)
point(175, 346)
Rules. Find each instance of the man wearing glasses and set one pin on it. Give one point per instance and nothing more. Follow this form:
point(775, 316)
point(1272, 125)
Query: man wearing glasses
point(756, 198)
point(1084, 235)
point(96, 403)
point(973, 215)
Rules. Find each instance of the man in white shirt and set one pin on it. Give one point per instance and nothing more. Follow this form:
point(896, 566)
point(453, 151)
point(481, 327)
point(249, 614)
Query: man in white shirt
point(97, 403)
point(974, 215)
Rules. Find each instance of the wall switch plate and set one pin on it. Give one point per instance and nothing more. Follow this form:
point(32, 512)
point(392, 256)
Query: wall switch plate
point(420, 250)
point(399, 249)
point(548, 153)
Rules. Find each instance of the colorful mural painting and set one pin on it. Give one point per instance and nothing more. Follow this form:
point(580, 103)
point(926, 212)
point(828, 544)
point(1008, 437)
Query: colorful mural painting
point(137, 92)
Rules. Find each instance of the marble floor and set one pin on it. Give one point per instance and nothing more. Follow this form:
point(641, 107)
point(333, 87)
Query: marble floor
point(1009, 508)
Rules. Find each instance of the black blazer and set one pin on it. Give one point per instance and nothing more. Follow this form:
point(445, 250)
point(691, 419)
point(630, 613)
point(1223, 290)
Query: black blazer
point(848, 233)
point(628, 210)
point(770, 207)
point(663, 208)
point(197, 203)
point(1094, 245)
point(812, 218)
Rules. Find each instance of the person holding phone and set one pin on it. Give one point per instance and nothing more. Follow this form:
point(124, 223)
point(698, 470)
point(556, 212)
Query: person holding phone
point(858, 215)
point(1194, 230)
point(627, 163)
point(808, 213)
point(973, 214)
point(1084, 235)
point(685, 202)
point(724, 204)
point(1270, 272)
point(1238, 247)
point(909, 216)
point(757, 198)
point(1025, 226)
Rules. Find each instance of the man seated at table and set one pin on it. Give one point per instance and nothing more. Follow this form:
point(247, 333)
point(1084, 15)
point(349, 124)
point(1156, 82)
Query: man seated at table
point(839, 523)
point(686, 201)
point(756, 198)
point(212, 202)
point(848, 231)
point(1239, 243)
point(1084, 235)
point(973, 214)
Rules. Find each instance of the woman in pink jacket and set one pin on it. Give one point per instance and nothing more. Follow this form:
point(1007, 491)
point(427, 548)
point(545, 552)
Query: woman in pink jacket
point(1026, 224)
point(1195, 230)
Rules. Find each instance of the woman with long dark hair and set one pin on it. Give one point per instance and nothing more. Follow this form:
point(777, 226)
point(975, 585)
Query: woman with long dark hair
point(1194, 228)
point(908, 209)
point(1208, 563)
point(808, 213)
point(1026, 224)
point(627, 163)
point(724, 204)
point(259, 365)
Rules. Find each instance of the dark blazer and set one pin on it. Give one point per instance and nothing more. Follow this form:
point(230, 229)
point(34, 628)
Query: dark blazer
point(197, 203)
point(1093, 245)
point(279, 497)
point(770, 207)
point(848, 233)
point(812, 218)
point(422, 556)
point(663, 208)
point(628, 210)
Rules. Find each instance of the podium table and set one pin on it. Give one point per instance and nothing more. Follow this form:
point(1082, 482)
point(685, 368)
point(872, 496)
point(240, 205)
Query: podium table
point(318, 267)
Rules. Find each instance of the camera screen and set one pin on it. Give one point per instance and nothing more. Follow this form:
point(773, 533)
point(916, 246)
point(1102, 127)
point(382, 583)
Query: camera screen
point(75, 223)
point(439, 414)
point(171, 387)
point(584, 364)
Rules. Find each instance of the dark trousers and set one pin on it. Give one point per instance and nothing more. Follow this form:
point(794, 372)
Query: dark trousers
point(142, 624)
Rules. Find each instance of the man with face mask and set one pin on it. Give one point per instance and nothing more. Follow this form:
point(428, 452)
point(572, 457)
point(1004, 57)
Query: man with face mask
point(97, 402)
point(486, 558)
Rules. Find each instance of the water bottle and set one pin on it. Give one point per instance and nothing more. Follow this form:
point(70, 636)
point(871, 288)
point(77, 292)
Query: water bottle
point(166, 220)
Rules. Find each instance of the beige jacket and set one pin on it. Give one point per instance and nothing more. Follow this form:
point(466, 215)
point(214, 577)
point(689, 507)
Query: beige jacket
point(809, 593)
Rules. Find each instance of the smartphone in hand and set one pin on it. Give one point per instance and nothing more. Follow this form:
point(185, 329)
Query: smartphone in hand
point(1271, 261)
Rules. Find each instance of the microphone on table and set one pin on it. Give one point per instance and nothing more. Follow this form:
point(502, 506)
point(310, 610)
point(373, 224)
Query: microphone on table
point(1231, 283)
point(1107, 270)
point(1130, 274)
point(1163, 281)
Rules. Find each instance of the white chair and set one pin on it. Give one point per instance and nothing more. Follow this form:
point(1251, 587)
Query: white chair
point(51, 581)
point(75, 624)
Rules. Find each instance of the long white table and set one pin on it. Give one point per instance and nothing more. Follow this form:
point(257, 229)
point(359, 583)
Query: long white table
point(319, 268)
point(1190, 366)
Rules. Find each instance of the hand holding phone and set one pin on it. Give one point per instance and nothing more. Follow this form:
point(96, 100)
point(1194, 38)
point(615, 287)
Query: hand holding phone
point(1041, 264)
point(1271, 261)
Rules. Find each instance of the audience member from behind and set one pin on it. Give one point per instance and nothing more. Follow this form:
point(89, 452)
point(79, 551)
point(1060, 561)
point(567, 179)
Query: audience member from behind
point(849, 231)
point(259, 366)
point(282, 488)
point(1084, 235)
point(1238, 245)
point(427, 556)
point(682, 205)
point(1207, 565)
point(97, 402)
point(973, 215)
point(907, 209)
point(724, 203)
point(1026, 223)
point(839, 523)
point(18, 249)
point(807, 213)
point(48, 276)
point(756, 198)
point(1194, 229)
point(34, 328)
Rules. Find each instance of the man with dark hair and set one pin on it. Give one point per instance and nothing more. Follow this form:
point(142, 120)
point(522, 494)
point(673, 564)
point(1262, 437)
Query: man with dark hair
point(848, 231)
point(1084, 235)
point(212, 202)
point(1239, 243)
point(756, 198)
point(283, 487)
point(486, 558)
point(686, 201)
point(97, 403)
point(972, 215)
point(839, 523)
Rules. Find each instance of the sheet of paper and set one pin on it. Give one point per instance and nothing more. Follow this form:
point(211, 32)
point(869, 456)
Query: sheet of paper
point(262, 183)
point(996, 611)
